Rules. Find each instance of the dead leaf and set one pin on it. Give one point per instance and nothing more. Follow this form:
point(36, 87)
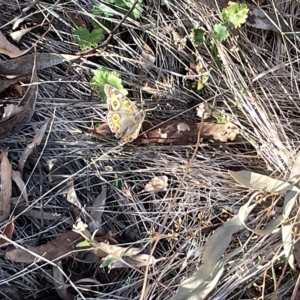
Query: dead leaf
point(71, 197)
point(261, 182)
point(4, 84)
point(5, 187)
point(103, 249)
point(17, 35)
point(17, 90)
point(157, 184)
point(8, 232)
point(59, 283)
point(61, 246)
point(17, 178)
point(39, 214)
point(168, 133)
point(147, 53)
point(75, 19)
point(23, 65)
point(15, 116)
point(136, 261)
point(35, 142)
point(204, 111)
point(97, 209)
point(289, 201)
point(9, 49)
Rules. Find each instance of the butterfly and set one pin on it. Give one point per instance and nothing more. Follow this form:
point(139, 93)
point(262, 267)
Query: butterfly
point(123, 118)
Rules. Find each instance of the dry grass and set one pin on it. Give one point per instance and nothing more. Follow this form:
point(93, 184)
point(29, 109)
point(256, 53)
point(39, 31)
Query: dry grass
point(257, 89)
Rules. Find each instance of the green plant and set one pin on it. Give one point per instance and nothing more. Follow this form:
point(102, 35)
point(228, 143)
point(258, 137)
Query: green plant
point(121, 6)
point(197, 74)
point(86, 39)
point(235, 15)
point(197, 36)
point(220, 32)
point(102, 77)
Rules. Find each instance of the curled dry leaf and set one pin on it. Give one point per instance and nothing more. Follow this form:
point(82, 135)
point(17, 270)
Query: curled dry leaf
point(72, 197)
point(5, 84)
point(17, 35)
point(8, 231)
point(204, 111)
point(157, 184)
point(59, 283)
point(147, 53)
point(97, 209)
point(61, 246)
point(17, 90)
point(35, 142)
point(17, 178)
point(15, 116)
point(9, 49)
point(5, 187)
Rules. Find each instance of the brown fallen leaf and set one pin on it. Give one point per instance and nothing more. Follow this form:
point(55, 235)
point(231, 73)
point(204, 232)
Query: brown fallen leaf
point(61, 246)
point(23, 65)
point(8, 231)
point(5, 187)
point(157, 184)
point(75, 19)
point(5, 84)
point(176, 132)
point(39, 214)
point(97, 210)
point(17, 90)
point(17, 178)
point(35, 142)
point(59, 283)
point(15, 116)
point(9, 49)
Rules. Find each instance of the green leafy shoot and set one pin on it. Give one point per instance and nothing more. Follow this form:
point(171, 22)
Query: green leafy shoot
point(197, 36)
point(201, 83)
point(99, 11)
point(221, 117)
point(84, 243)
point(102, 77)
point(220, 32)
point(235, 15)
point(107, 262)
point(121, 6)
point(86, 39)
point(198, 74)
